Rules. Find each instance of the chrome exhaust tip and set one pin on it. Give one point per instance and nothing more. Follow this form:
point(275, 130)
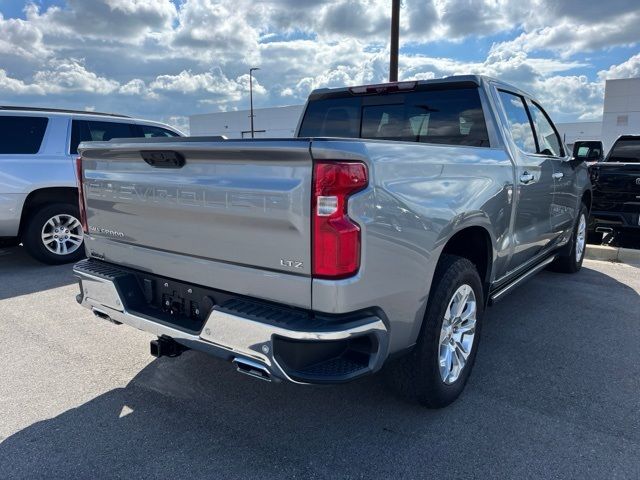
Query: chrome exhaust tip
point(104, 316)
point(251, 368)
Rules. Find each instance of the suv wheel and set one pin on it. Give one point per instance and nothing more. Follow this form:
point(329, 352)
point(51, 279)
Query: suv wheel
point(436, 371)
point(570, 260)
point(54, 234)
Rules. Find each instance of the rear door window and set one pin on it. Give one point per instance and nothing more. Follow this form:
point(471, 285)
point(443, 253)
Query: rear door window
point(519, 123)
point(452, 116)
point(21, 135)
point(151, 131)
point(94, 131)
point(548, 138)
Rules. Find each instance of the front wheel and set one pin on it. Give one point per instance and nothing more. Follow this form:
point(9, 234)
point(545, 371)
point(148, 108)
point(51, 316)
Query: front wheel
point(53, 234)
point(436, 371)
point(570, 261)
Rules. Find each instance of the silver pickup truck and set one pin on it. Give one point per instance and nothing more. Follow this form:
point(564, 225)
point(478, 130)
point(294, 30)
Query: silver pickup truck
point(376, 237)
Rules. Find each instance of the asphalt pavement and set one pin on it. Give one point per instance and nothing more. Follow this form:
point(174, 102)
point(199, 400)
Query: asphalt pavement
point(555, 393)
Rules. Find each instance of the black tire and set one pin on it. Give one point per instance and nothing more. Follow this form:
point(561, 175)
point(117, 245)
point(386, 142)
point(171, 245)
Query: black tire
point(32, 234)
point(567, 261)
point(416, 376)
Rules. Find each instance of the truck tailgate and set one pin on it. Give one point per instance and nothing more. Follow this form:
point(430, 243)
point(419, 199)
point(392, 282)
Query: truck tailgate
point(232, 206)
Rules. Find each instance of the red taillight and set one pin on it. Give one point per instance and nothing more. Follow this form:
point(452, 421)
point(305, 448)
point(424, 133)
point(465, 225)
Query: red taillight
point(81, 205)
point(336, 238)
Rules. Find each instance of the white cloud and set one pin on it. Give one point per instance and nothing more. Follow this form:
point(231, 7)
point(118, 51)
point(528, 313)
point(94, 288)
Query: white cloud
point(125, 21)
point(133, 87)
point(21, 38)
point(628, 69)
point(213, 85)
point(166, 59)
point(573, 95)
point(70, 75)
point(568, 37)
point(18, 87)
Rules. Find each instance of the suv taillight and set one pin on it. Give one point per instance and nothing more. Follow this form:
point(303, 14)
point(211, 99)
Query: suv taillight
point(81, 205)
point(336, 238)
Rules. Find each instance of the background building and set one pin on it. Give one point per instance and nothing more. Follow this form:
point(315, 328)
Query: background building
point(573, 131)
point(621, 109)
point(271, 122)
point(621, 115)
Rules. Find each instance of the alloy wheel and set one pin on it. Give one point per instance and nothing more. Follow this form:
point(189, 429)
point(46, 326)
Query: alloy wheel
point(62, 234)
point(457, 333)
point(581, 237)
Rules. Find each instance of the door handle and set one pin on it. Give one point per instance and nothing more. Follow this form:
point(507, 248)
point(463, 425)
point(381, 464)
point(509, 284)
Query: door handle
point(558, 175)
point(526, 177)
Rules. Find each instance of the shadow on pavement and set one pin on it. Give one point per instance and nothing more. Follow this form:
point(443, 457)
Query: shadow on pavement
point(20, 274)
point(552, 395)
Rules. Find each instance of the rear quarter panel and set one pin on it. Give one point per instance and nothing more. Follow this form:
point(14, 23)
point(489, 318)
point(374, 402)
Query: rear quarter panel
point(419, 196)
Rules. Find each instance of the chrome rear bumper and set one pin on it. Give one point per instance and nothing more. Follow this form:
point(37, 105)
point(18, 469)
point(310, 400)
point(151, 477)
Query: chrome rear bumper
point(233, 335)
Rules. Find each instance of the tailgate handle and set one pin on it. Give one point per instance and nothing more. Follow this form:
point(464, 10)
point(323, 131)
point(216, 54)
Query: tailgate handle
point(163, 158)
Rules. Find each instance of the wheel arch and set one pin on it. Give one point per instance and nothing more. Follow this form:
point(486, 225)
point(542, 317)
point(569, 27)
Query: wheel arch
point(474, 243)
point(44, 196)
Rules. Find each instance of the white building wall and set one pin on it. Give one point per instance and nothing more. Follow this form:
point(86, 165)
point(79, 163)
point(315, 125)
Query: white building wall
point(621, 109)
point(274, 122)
point(571, 132)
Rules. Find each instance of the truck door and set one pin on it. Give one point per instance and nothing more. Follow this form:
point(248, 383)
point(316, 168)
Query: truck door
point(533, 193)
point(565, 194)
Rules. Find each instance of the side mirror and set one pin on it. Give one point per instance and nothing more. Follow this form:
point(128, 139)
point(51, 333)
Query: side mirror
point(588, 151)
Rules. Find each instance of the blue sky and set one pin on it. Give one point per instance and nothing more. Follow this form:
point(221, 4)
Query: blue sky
point(165, 60)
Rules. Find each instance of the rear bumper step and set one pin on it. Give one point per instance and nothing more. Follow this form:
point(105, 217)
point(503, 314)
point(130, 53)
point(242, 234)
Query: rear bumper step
point(263, 340)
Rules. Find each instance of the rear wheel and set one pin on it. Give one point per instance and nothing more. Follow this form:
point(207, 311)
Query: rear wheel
point(436, 371)
point(53, 234)
point(570, 261)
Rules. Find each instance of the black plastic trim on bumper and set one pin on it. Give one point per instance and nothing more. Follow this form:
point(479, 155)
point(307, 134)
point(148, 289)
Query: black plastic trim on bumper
point(291, 343)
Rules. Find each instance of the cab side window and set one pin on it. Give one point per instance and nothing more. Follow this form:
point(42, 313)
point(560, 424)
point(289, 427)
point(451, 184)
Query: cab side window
point(518, 119)
point(548, 139)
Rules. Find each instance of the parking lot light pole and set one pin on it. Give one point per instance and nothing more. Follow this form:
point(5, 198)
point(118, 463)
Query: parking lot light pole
point(395, 34)
point(251, 70)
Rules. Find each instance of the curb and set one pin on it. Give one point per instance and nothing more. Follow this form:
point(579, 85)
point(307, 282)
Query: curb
point(605, 253)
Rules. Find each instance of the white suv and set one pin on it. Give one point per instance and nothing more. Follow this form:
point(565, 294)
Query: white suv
point(38, 192)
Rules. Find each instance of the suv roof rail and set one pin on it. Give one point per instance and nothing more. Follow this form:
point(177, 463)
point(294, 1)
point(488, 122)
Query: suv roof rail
point(60, 110)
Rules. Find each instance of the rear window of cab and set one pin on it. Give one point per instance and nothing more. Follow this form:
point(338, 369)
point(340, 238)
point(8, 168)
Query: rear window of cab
point(445, 116)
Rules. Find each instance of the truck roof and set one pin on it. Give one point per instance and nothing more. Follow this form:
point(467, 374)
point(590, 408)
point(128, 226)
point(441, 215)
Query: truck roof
point(477, 80)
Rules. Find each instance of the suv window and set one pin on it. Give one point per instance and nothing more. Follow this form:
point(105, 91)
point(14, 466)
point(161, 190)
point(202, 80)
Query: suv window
point(151, 131)
point(21, 135)
point(92, 131)
point(519, 123)
point(548, 139)
point(453, 116)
